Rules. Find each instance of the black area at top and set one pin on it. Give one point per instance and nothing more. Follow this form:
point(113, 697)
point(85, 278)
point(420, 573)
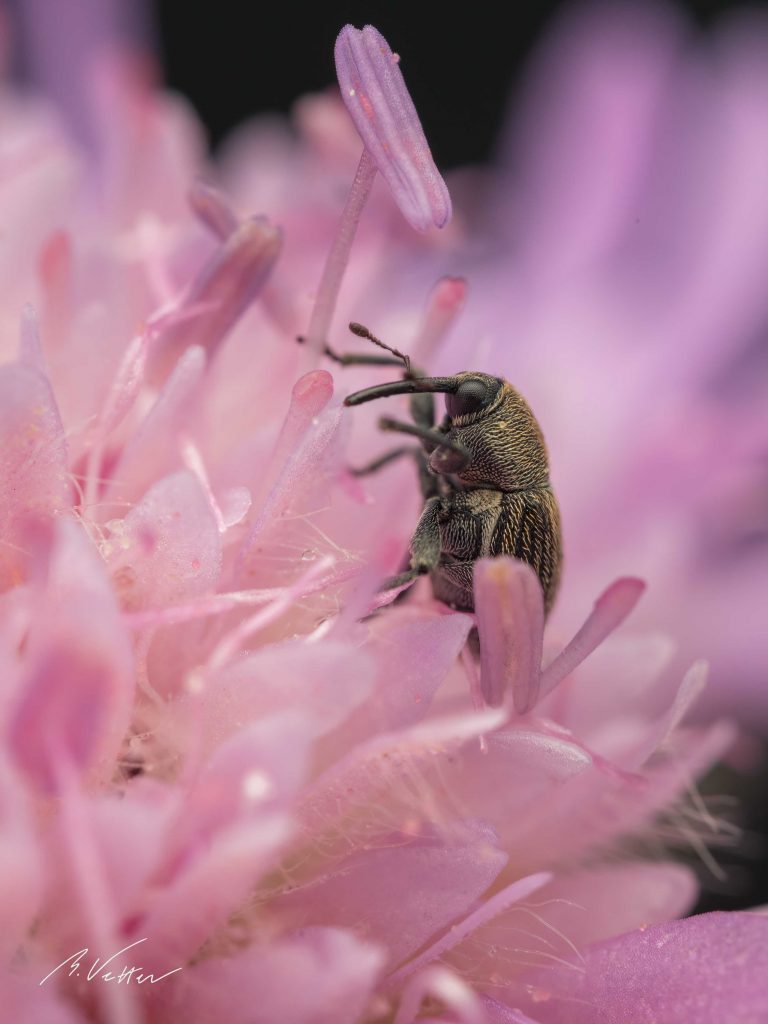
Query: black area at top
point(234, 60)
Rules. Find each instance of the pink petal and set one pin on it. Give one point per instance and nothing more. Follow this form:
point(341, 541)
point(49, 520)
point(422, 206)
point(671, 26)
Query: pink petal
point(129, 830)
point(21, 867)
point(153, 450)
point(498, 1013)
point(597, 903)
point(478, 780)
point(597, 91)
point(708, 969)
point(457, 934)
point(226, 288)
point(257, 770)
point(364, 777)
point(309, 396)
point(213, 209)
point(34, 479)
point(611, 608)
point(573, 910)
point(510, 620)
point(305, 475)
point(445, 303)
point(78, 690)
point(598, 809)
point(327, 680)
point(413, 659)
point(92, 901)
point(319, 976)
point(438, 983)
point(402, 894)
point(26, 1002)
point(660, 732)
point(30, 349)
point(186, 912)
point(376, 96)
point(167, 548)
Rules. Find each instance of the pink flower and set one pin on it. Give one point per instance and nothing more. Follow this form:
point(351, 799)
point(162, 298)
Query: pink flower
point(215, 764)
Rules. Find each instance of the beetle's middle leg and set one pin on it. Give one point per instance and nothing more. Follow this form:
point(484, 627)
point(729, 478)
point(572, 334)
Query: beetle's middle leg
point(431, 438)
point(425, 546)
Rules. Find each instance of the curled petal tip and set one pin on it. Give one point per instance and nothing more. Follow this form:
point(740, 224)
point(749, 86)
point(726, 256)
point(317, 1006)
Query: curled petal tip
point(622, 595)
point(375, 93)
point(510, 621)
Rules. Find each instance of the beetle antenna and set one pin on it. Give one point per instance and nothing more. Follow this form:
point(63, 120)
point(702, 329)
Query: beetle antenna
point(363, 332)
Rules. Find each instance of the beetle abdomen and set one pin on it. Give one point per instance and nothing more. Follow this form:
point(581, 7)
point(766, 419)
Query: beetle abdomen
point(528, 528)
point(482, 523)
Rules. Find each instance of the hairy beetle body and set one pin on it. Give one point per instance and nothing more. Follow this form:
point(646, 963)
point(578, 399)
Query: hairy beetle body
point(482, 523)
point(484, 474)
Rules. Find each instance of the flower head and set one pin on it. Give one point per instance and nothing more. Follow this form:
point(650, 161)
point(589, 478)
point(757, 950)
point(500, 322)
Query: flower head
point(212, 751)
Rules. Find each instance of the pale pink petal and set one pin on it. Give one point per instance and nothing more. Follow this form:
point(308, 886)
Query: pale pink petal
point(498, 1013)
point(414, 658)
point(573, 910)
point(212, 208)
point(129, 831)
point(91, 896)
point(626, 677)
point(477, 782)
point(362, 778)
point(510, 620)
point(301, 486)
point(598, 809)
point(226, 287)
point(662, 730)
point(34, 480)
point(255, 771)
point(402, 894)
point(438, 983)
point(708, 969)
point(154, 448)
point(186, 911)
point(25, 1001)
point(78, 688)
point(167, 548)
point(21, 867)
point(497, 903)
point(30, 348)
point(320, 976)
point(611, 608)
point(327, 680)
point(309, 396)
point(376, 96)
point(595, 96)
point(235, 504)
point(445, 303)
point(120, 399)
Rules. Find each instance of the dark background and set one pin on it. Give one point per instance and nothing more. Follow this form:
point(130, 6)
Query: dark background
point(234, 60)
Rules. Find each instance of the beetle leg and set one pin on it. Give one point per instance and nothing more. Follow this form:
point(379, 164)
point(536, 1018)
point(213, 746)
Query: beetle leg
point(400, 579)
point(431, 438)
point(425, 543)
point(425, 547)
point(384, 460)
point(359, 358)
point(422, 408)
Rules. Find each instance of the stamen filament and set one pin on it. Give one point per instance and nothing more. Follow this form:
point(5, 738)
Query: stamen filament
point(338, 257)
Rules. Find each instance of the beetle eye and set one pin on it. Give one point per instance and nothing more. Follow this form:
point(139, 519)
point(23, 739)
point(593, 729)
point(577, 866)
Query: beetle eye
point(470, 397)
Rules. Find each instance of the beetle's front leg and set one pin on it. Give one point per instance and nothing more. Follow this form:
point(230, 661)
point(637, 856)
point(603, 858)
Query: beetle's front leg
point(425, 546)
point(426, 543)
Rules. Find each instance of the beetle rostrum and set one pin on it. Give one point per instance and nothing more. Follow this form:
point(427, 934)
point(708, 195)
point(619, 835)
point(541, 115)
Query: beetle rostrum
point(484, 475)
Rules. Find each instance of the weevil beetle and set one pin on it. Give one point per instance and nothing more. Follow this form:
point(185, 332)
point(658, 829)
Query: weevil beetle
point(484, 476)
